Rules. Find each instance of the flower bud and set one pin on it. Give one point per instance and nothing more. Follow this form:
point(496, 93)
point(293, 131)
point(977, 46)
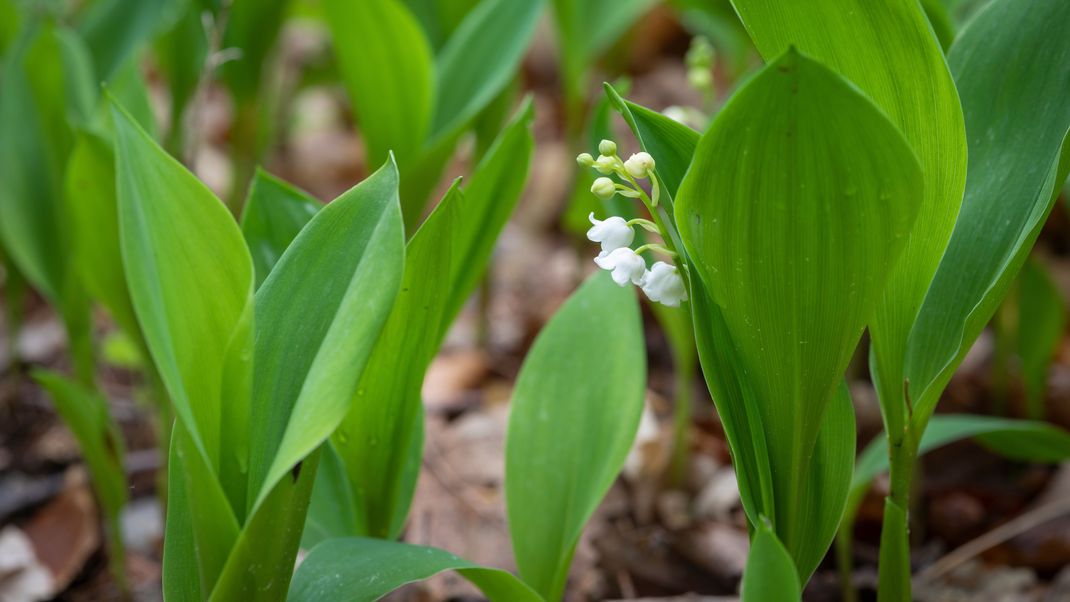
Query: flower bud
point(585, 160)
point(605, 164)
point(639, 165)
point(607, 148)
point(604, 188)
point(626, 266)
point(663, 284)
point(613, 233)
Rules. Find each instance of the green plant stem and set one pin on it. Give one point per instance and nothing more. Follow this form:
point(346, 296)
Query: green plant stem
point(483, 327)
point(684, 369)
point(117, 553)
point(894, 570)
point(845, 561)
point(244, 152)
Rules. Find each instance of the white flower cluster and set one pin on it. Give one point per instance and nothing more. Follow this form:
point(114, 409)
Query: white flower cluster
point(662, 283)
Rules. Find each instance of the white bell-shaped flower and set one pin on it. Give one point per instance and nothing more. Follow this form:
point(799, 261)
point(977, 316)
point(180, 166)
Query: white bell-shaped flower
point(639, 165)
point(664, 285)
point(626, 266)
point(613, 233)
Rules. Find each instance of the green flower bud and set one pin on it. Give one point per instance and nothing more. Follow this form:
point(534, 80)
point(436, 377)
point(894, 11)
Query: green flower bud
point(604, 188)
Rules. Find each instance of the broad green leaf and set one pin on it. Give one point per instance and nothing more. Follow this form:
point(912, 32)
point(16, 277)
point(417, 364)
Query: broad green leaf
point(1010, 64)
point(85, 412)
point(212, 522)
point(356, 569)
point(261, 563)
point(480, 58)
point(93, 212)
point(835, 189)
point(937, 13)
point(114, 29)
point(492, 193)
point(828, 482)
point(376, 437)
point(331, 511)
point(388, 72)
point(770, 575)
point(579, 395)
point(181, 579)
point(1041, 324)
point(888, 50)
point(273, 214)
point(190, 278)
point(321, 311)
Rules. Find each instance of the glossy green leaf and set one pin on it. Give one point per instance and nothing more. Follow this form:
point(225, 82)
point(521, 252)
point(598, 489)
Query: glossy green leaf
point(322, 309)
point(579, 395)
point(355, 569)
point(273, 214)
point(376, 437)
point(492, 193)
point(940, 19)
point(212, 522)
point(1041, 325)
point(1011, 64)
point(92, 208)
point(181, 579)
point(261, 562)
point(190, 279)
point(770, 575)
point(332, 510)
point(388, 72)
point(835, 189)
point(480, 59)
point(888, 50)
